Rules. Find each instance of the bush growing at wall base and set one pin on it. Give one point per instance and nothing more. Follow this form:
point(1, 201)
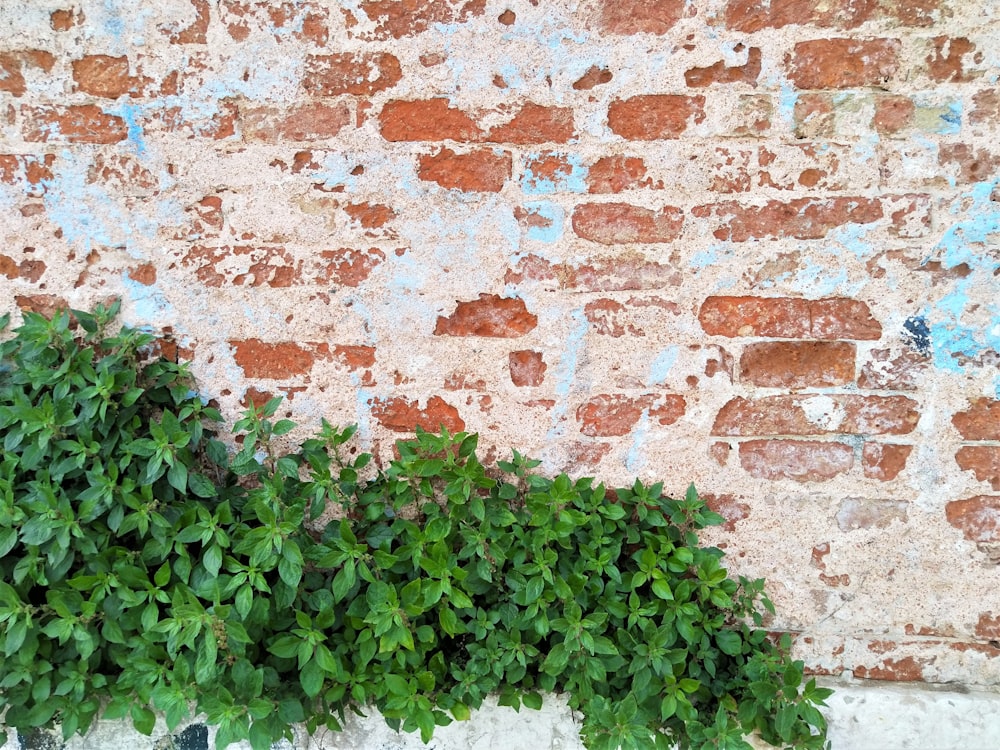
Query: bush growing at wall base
point(145, 568)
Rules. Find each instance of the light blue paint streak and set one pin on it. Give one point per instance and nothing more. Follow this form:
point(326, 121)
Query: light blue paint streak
point(854, 238)
point(150, 306)
point(661, 366)
point(84, 212)
point(572, 182)
point(131, 113)
point(710, 256)
point(636, 459)
point(787, 97)
point(556, 216)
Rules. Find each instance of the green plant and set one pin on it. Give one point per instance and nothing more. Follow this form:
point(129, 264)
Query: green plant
point(145, 568)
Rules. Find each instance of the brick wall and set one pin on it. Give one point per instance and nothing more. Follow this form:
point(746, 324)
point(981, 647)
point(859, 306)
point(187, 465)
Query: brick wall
point(745, 243)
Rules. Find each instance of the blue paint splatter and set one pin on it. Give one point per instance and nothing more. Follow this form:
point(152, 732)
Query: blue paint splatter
point(661, 366)
point(131, 113)
point(710, 256)
point(565, 373)
point(149, 305)
point(551, 213)
point(573, 181)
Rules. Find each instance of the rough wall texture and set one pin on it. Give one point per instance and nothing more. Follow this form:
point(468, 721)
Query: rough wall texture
point(743, 243)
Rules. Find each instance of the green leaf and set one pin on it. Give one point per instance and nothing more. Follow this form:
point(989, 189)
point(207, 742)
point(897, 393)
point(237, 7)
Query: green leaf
point(311, 678)
point(532, 700)
point(177, 476)
point(143, 719)
point(285, 646)
point(662, 589)
point(729, 641)
point(201, 485)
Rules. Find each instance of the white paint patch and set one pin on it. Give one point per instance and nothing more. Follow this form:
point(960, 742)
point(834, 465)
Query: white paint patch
point(823, 412)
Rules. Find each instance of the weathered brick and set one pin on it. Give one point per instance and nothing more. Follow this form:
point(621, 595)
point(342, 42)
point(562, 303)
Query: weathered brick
point(527, 368)
point(946, 62)
point(534, 124)
point(985, 107)
point(144, 273)
point(893, 114)
point(978, 518)
point(361, 74)
point(983, 461)
point(752, 15)
point(75, 123)
point(311, 121)
point(12, 65)
point(988, 626)
point(63, 19)
point(370, 215)
point(28, 171)
point(627, 17)
point(857, 513)
point(348, 266)
point(395, 19)
point(798, 364)
point(817, 414)
point(482, 170)
point(601, 274)
point(275, 361)
point(729, 507)
point(353, 356)
point(404, 415)
point(981, 421)
point(651, 117)
point(884, 461)
point(43, 304)
point(614, 415)
point(721, 73)
point(618, 223)
point(900, 373)
point(801, 218)
point(786, 317)
point(594, 77)
point(490, 315)
point(195, 32)
point(971, 164)
point(426, 120)
point(615, 174)
point(105, 76)
point(905, 669)
point(843, 63)
point(799, 460)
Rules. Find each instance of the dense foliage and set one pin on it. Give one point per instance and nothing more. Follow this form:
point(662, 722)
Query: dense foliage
point(145, 568)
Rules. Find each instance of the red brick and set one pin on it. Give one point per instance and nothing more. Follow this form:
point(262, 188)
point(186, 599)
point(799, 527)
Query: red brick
point(12, 65)
point(122, 172)
point(403, 415)
point(361, 74)
point(946, 64)
point(721, 73)
point(983, 461)
point(906, 669)
point(800, 460)
point(594, 77)
point(619, 223)
point(527, 368)
point(304, 122)
point(615, 174)
point(988, 626)
point(651, 117)
point(752, 15)
point(843, 63)
point(900, 373)
point(426, 120)
point(986, 107)
point(609, 317)
point(43, 304)
point(144, 274)
point(798, 364)
point(978, 518)
point(28, 171)
point(304, 21)
point(348, 266)
point(277, 361)
point(105, 76)
point(206, 219)
point(370, 215)
point(196, 31)
point(981, 421)
point(974, 165)
point(786, 317)
point(817, 414)
point(63, 19)
point(490, 315)
point(910, 215)
point(535, 123)
point(218, 125)
point(601, 274)
point(614, 415)
point(814, 116)
point(801, 218)
point(893, 113)
point(76, 123)
point(729, 507)
point(355, 357)
point(481, 170)
point(884, 461)
point(627, 17)
point(401, 18)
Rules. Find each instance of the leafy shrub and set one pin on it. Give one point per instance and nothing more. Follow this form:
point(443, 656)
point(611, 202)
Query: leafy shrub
point(145, 568)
